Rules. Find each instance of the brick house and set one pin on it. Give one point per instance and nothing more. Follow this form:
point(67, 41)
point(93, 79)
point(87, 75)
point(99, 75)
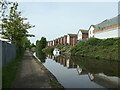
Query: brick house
point(65, 40)
point(82, 34)
point(72, 39)
point(108, 28)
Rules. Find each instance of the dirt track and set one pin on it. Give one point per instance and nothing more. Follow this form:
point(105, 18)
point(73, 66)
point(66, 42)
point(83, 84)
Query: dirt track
point(30, 74)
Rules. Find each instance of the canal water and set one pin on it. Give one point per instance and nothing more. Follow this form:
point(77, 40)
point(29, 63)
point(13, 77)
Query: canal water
point(82, 72)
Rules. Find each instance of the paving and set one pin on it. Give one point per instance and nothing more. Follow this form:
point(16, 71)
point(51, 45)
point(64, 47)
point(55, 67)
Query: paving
point(30, 74)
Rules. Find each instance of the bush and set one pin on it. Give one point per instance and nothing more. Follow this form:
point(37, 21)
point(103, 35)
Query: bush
point(93, 41)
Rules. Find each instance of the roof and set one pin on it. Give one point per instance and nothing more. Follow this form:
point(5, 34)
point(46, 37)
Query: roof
point(72, 35)
point(91, 26)
point(108, 22)
point(83, 31)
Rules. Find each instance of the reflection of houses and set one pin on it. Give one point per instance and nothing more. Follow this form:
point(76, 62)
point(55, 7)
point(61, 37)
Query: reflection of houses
point(79, 69)
point(70, 64)
point(106, 81)
point(91, 76)
point(82, 34)
point(65, 62)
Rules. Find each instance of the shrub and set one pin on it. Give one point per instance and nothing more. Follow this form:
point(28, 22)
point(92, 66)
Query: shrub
point(93, 41)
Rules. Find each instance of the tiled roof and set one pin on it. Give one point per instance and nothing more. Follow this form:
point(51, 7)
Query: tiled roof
point(72, 34)
point(83, 31)
point(108, 22)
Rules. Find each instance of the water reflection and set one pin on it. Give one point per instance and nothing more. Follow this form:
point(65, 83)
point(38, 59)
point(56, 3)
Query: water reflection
point(41, 56)
point(101, 72)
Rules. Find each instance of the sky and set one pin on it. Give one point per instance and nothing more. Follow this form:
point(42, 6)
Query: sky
point(56, 19)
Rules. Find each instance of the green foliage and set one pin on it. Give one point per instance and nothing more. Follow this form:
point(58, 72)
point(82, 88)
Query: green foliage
point(4, 6)
point(14, 27)
point(9, 71)
point(40, 45)
point(92, 41)
point(48, 50)
point(98, 48)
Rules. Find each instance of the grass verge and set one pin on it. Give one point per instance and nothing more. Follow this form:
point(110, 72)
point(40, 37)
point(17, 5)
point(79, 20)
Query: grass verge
point(10, 69)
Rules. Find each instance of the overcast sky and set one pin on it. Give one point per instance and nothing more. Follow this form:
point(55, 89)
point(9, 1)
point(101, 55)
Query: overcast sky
point(55, 19)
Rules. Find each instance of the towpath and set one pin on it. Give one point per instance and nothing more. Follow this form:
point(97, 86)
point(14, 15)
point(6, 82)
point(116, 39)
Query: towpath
point(31, 74)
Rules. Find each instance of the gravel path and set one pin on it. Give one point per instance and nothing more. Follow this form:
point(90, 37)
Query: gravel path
point(30, 74)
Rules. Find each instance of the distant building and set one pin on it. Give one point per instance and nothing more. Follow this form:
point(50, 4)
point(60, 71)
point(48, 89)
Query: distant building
point(72, 39)
point(109, 28)
point(90, 31)
point(61, 40)
point(65, 40)
point(82, 34)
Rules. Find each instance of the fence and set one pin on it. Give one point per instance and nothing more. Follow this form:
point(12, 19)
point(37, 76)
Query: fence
point(7, 52)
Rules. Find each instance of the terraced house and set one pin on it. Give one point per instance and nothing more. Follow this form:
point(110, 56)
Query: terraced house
point(109, 28)
point(82, 34)
point(72, 39)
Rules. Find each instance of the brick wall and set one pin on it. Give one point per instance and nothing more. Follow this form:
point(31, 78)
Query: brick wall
point(106, 28)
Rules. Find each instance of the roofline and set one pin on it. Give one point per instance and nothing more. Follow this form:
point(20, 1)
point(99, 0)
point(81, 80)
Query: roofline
point(91, 26)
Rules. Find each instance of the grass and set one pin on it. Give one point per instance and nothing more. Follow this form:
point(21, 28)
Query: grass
point(10, 69)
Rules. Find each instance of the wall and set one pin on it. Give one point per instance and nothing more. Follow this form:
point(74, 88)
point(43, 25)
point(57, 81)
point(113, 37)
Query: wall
point(8, 52)
point(84, 35)
point(90, 32)
point(79, 35)
point(111, 33)
point(68, 39)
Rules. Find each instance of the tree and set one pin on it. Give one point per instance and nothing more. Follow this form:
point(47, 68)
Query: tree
point(4, 4)
point(40, 44)
point(14, 26)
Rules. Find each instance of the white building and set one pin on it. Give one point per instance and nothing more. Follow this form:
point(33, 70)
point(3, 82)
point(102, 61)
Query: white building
point(82, 34)
point(109, 28)
point(90, 31)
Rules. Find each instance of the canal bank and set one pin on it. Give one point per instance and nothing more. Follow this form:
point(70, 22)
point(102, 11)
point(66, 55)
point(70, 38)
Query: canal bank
point(107, 49)
point(32, 74)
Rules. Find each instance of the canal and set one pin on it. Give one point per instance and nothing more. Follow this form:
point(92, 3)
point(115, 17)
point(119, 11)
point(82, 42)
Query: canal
point(82, 72)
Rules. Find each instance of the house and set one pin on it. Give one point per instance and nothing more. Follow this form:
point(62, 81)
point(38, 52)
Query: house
point(90, 31)
point(51, 43)
point(65, 40)
point(82, 34)
point(109, 28)
point(72, 39)
point(58, 41)
point(48, 43)
point(61, 40)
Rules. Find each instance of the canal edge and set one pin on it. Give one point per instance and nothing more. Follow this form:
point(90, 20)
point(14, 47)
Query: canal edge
point(53, 80)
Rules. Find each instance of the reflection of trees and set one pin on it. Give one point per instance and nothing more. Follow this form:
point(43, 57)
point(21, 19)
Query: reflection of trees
point(95, 66)
point(41, 55)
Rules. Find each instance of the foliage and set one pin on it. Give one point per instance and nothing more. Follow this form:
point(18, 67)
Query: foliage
point(9, 71)
point(98, 48)
point(4, 6)
point(48, 50)
point(39, 46)
point(15, 27)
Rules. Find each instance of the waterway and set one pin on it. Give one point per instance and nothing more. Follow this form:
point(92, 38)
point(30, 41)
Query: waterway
point(82, 72)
